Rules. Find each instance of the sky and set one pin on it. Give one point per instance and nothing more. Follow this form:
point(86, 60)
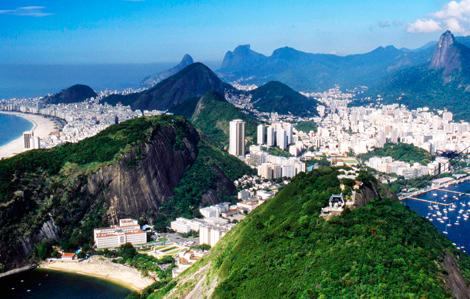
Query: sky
point(142, 31)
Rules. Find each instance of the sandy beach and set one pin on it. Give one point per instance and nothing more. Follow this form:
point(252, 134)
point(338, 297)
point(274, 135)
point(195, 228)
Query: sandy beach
point(42, 127)
point(101, 267)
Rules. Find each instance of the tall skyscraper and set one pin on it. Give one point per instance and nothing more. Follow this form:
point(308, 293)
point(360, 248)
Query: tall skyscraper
point(271, 136)
point(281, 139)
point(261, 134)
point(237, 138)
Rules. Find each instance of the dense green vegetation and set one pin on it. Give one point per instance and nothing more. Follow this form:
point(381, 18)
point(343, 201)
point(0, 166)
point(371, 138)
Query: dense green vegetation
point(275, 151)
point(42, 186)
point(213, 114)
point(201, 177)
point(277, 97)
point(306, 126)
point(85, 155)
point(285, 250)
point(400, 151)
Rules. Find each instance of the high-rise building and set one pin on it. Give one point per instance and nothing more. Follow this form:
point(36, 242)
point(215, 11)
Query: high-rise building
point(237, 138)
point(271, 136)
point(281, 139)
point(261, 134)
point(289, 132)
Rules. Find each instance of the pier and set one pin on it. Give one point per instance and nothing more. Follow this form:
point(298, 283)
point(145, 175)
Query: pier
point(429, 201)
point(452, 191)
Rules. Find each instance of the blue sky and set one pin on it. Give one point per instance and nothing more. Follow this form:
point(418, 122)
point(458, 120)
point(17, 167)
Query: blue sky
point(109, 31)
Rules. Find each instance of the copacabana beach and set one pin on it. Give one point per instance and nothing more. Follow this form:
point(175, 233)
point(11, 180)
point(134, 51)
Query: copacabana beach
point(41, 126)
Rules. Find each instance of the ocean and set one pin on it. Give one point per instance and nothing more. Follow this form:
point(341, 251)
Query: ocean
point(11, 127)
point(39, 80)
point(451, 216)
point(42, 284)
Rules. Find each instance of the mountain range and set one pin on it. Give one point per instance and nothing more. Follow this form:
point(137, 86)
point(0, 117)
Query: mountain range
point(181, 92)
point(315, 72)
point(441, 82)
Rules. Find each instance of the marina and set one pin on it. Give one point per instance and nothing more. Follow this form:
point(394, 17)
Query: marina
point(448, 209)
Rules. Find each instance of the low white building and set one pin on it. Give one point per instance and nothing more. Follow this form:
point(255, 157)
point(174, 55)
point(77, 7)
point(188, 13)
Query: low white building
point(128, 231)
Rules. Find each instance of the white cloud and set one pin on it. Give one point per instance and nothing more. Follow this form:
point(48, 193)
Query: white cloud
point(454, 16)
point(423, 25)
point(26, 11)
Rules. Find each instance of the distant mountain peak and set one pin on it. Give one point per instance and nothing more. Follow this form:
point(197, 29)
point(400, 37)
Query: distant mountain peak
point(186, 60)
point(242, 56)
point(151, 81)
point(446, 55)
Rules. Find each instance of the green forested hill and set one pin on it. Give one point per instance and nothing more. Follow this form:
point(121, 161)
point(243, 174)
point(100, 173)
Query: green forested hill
point(213, 114)
point(285, 250)
point(148, 168)
point(400, 151)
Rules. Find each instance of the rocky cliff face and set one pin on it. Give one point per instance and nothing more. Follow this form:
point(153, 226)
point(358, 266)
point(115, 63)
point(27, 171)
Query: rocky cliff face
point(140, 182)
point(447, 54)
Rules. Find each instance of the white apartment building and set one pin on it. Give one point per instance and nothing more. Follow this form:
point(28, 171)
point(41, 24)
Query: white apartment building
point(237, 138)
point(211, 234)
point(261, 134)
point(128, 231)
point(184, 225)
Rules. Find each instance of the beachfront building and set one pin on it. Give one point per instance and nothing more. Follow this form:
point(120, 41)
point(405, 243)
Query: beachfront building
point(31, 141)
point(128, 231)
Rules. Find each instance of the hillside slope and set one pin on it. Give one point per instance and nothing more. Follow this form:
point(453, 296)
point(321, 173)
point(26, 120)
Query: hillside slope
point(277, 97)
point(212, 115)
point(73, 94)
point(191, 82)
point(285, 250)
point(152, 169)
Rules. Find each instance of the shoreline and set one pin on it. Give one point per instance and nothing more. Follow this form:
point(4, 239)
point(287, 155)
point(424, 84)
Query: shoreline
point(101, 268)
point(431, 188)
point(42, 127)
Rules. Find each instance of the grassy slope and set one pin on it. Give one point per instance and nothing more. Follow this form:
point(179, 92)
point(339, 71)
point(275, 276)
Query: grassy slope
point(400, 151)
point(284, 250)
point(213, 114)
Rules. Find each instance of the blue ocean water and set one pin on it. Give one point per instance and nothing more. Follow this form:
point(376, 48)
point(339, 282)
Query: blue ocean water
point(11, 127)
point(39, 80)
point(41, 284)
point(453, 218)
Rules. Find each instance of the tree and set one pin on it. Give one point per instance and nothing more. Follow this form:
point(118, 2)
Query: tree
point(127, 251)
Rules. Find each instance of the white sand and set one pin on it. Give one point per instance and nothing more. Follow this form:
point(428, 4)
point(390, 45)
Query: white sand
point(100, 267)
point(42, 127)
